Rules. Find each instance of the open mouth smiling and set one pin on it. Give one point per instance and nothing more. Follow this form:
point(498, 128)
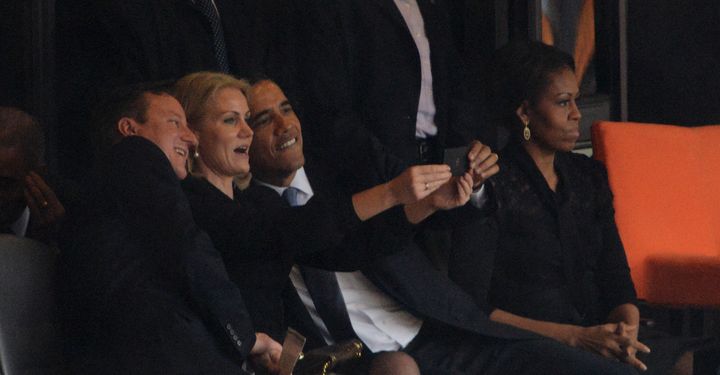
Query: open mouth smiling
point(181, 151)
point(287, 144)
point(242, 150)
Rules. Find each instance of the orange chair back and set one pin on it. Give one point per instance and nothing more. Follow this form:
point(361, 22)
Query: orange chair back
point(666, 183)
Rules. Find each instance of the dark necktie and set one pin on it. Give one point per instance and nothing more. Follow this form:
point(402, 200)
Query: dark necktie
point(324, 291)
point(329, 303)
point(207, 8)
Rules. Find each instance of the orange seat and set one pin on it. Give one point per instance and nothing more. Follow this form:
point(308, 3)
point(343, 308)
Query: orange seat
point(666, 182)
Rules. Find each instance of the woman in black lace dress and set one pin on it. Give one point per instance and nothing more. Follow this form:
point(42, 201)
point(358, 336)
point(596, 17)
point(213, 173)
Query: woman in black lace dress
point(550, 260)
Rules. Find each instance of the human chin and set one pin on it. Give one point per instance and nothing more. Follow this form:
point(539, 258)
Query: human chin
point(572, 138)
point(567, 144)
point(241, 168)
point(293, 160)
point(180, 170)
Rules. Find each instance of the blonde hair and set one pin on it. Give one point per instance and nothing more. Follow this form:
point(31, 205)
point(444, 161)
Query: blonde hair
point(196, 90)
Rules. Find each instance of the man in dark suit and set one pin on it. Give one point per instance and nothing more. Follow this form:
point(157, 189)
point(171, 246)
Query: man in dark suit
point(146, 291)
point(391, 80)
point(398, 302)
point(392, 84)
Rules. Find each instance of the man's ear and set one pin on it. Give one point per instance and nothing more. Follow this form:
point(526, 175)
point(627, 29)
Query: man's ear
point(127, 126)
point(522, 112)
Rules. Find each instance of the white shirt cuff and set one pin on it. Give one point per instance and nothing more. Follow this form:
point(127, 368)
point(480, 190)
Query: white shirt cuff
point(478, 198)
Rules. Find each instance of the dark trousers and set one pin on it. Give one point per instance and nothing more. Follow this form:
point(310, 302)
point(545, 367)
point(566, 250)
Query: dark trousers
point(444, 350)
point(153, 334)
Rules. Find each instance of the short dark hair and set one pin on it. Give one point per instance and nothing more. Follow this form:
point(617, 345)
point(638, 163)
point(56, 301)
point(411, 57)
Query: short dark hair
point(257, 78)
point(520, 71)
point(124, 101)
point(18, 128)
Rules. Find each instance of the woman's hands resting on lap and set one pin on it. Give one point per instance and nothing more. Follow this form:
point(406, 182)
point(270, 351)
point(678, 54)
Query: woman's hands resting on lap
point(610, 340)
point(616, 341)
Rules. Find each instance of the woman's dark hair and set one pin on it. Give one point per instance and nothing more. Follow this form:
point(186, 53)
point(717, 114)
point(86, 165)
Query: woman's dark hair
point(520, 71)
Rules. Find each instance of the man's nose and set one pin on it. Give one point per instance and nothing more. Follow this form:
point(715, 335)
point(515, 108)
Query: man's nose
point(282, 124)
point(188, 136)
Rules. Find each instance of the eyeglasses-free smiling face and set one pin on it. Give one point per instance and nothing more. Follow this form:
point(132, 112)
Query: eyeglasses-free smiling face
point(167, 128)
point(224, 135)
point(277, 150)
point(555, 117)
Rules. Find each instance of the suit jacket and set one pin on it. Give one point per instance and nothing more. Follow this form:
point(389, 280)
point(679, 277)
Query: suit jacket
point(143, 280)
point(396, 265)
point(365, 97)
point(261, 237)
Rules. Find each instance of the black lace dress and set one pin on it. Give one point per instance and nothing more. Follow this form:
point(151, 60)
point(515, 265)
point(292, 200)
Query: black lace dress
point(559, 256)
point(554, 255)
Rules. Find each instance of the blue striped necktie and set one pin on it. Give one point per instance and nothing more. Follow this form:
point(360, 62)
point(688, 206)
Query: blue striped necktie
point(290, 195)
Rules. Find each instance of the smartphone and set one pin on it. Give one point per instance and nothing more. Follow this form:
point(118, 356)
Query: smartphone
point(457, 159)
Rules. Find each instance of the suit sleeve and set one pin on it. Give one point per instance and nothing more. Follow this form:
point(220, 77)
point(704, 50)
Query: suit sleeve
point(156, 207)
point(472, 259)
point(258, 225)
point(357, 247)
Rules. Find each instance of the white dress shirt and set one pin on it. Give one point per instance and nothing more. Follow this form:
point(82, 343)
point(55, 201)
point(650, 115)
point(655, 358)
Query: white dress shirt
point(20, 226)
point(425, 126)
point(378, 320)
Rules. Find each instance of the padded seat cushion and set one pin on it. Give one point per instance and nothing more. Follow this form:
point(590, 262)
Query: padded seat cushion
point(28, 337)
point(683, 280)
point(666, 185)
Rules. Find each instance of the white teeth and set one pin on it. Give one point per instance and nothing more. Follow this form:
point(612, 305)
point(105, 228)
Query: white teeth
point(287, 144)
point(241, 149)
point(180, 151)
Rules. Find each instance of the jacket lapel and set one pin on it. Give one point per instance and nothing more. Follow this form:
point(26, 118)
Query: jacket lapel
point(390, 10)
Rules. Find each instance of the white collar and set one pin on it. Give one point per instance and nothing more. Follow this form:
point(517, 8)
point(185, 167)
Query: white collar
point(300, 182)
point(20, 226)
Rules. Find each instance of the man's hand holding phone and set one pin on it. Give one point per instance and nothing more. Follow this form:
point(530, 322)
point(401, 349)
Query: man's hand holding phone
point(477, 158)
point(482, 163)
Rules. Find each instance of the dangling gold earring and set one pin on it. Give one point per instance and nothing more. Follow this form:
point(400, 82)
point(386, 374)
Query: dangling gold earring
point(526, 130)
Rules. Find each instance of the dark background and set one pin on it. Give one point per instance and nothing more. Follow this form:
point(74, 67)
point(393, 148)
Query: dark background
point(672, 54)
